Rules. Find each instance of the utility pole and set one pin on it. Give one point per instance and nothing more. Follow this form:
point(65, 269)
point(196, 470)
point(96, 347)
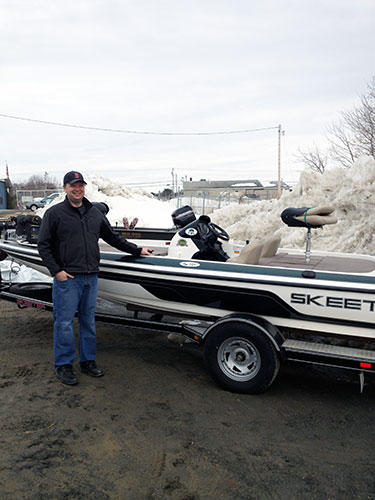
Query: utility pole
point(279, 131)
point(172, 173)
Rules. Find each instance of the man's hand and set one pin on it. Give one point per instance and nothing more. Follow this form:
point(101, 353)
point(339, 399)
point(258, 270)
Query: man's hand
point(146, 251)
point(63, 276)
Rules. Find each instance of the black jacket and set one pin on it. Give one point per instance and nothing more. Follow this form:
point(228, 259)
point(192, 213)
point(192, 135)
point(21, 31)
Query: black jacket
point(68, 240)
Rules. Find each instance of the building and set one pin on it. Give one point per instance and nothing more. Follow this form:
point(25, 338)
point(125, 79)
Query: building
point(206, 196)
point(251, 189)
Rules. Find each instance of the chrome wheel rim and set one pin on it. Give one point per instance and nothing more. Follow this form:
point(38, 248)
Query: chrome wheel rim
point(239, 359)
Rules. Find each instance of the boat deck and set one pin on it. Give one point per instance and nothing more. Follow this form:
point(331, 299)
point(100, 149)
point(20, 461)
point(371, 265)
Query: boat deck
point(321, 263)
point(337, 263)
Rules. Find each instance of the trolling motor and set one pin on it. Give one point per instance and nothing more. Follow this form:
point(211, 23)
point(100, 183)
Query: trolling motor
point(310, 218)
point(183, 216)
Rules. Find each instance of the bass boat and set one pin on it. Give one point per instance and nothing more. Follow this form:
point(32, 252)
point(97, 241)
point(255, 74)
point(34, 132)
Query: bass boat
point(285, 294)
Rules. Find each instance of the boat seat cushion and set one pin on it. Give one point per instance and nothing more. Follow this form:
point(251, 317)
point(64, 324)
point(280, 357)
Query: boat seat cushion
point(250, 254)
point(308, 217)
point(270, 247)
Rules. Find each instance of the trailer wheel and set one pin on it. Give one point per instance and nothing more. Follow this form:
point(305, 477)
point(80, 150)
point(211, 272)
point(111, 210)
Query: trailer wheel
point(3, 255)
point(241, 358)
point(41, 291)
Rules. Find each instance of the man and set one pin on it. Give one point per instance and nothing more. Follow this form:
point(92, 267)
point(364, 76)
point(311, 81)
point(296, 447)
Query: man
point(68, 245)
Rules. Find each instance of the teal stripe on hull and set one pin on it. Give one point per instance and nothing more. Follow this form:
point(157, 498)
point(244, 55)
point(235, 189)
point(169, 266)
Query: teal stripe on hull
point(243, 269)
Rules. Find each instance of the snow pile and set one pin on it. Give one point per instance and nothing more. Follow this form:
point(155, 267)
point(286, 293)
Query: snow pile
point(130, 203)
point(125, 202)
point(350, 192)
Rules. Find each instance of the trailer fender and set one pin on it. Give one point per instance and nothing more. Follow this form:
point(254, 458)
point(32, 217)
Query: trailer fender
point(267, 328)
point(35, 290)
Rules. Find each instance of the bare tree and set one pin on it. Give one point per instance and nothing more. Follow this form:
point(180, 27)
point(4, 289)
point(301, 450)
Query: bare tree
point(313, 158)
point(36, 182)
point(349, 138)
point(354, 135)
point(342, 147)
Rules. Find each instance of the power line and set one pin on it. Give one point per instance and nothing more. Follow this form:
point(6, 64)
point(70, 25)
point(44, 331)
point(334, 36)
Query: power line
point(69, 125)
point(145, 183)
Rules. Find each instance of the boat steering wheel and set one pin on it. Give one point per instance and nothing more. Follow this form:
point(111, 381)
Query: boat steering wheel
point(218, 231)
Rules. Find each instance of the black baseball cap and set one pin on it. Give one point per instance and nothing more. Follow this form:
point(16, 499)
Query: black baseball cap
point(72, 177)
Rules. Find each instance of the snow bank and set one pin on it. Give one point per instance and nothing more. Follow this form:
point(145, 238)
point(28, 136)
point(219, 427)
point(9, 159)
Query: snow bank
point(125, 202)
point(350, 192)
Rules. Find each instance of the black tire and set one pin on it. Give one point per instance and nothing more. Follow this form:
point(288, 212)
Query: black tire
point(33, 208)
point(241, 358)
point(40, 291)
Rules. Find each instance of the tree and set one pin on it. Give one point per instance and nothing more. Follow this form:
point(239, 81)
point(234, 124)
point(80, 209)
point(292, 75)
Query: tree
point(354, 135)
point(342, 148)
point(349, 138)
point(11, 198)
point(314, 159)
point(38, 182)
point(166, 194)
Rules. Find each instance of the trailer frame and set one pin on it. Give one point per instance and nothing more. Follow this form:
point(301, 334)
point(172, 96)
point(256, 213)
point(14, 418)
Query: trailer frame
point(233, 360)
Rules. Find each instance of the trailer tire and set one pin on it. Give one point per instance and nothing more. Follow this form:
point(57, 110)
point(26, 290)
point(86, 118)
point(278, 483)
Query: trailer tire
point(41, 291)
point(241, 358)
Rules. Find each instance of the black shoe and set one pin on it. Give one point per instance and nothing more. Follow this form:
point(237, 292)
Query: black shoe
point(66, 374)
point(90, 368)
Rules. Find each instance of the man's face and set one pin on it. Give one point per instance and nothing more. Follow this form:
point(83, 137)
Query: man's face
point(75, 192)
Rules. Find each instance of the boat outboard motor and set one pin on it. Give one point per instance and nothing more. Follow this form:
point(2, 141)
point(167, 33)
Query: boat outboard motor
point(310, 218)
point(28, 226)
point(205, 235)
point(183, 216)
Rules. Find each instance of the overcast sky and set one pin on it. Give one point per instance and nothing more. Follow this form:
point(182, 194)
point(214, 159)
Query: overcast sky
point(177, 66)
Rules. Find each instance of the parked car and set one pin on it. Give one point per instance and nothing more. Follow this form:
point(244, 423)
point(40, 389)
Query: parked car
point(34, 205)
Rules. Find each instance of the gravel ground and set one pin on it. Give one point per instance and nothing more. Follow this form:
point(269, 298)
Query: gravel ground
point(157, 427)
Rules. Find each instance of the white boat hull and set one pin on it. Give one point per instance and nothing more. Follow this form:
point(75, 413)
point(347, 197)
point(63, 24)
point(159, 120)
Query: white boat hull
point(332, 302)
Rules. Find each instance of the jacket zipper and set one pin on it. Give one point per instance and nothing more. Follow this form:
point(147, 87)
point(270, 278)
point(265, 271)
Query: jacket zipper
point(84, 230)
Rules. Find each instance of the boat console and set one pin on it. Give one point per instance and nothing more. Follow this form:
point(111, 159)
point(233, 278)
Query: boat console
point(199, 240)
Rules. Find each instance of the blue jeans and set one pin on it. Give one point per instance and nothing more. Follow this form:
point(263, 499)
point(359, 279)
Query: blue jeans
point(71, 296)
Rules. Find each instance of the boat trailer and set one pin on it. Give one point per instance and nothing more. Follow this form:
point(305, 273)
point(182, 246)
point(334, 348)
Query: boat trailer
point(242, 352)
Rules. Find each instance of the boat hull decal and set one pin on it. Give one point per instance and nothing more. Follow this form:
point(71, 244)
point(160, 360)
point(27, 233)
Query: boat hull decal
point(250, 300)
point(334, 298)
